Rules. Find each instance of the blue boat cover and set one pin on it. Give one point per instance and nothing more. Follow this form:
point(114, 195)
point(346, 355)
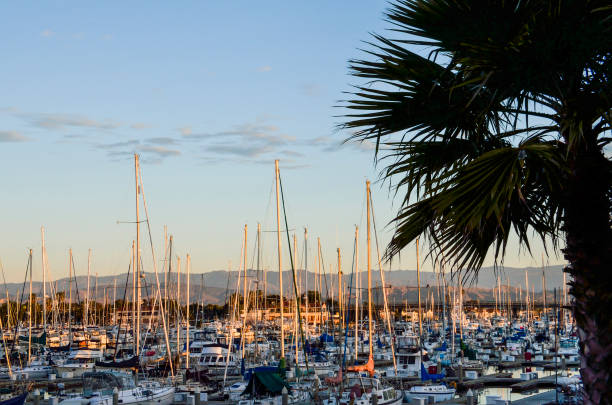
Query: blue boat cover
point(18, 400)
point(425, 376)
point(262, 369)
point(326, 338)
point(442, 348)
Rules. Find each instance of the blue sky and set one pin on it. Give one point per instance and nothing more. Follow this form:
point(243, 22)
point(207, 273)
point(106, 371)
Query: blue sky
point(209, 93)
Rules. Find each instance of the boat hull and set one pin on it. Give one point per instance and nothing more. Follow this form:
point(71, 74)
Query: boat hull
point(130, 397)
point(437, 396)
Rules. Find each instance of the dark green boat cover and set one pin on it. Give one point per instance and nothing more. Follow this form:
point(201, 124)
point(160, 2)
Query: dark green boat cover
point(265, 382)
point(40, 339)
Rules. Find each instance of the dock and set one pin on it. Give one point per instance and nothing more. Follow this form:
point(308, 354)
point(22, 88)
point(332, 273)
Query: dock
point(529, 385)
point(538, 399)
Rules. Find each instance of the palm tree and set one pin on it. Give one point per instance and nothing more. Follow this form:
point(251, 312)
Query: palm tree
point(491, 119)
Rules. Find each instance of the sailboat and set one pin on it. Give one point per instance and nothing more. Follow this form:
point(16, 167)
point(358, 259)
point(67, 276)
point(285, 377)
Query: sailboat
point(439, 392)
point(145, 393)
point(361, 390)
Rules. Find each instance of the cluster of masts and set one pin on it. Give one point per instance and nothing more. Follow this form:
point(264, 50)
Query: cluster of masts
point(348, 294)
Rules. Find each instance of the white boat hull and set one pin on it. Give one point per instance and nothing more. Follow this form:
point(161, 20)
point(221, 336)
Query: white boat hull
point(130, 397)
point(438, 396)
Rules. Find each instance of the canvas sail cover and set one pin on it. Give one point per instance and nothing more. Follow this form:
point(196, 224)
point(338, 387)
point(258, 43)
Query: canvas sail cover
point(265, 382)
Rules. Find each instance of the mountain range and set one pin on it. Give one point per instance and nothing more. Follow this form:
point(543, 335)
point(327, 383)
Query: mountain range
point(213, 287)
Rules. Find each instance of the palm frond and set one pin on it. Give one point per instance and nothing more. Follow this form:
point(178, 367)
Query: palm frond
point(480, 104)
point(478, 205)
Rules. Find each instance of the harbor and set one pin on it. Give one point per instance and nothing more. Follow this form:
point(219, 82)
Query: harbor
point(325, 339)
point(306, 203)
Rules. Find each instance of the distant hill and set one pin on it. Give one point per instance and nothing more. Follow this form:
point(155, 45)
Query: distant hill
point(212, 287)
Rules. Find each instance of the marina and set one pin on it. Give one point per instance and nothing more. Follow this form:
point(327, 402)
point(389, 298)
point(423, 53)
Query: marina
point(333, 344)
point(306, 203)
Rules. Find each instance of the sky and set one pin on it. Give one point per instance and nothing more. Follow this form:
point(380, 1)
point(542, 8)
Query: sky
point(209, 94)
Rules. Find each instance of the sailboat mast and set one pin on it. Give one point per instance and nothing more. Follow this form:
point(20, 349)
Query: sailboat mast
point(320, 286)
point(42, 237)
point(187, 313)
point(543, 286)
point(369, 261)
point(258, 280)
point(527, 296)
point(340, 312)
point(134, 295)
point(244, 295)
point(137, 252)
point(509, 302)
point(296, 293)
point(165, 302)
point(178, 311)
point(30, 312)
point(280, 268)
point(306, 274)
point(70, 289)
point(115, 301)
point(356, 292)
point(419, 292)
point(265, 298)
point(86, 311)
point(96, 300)
point(44, 277)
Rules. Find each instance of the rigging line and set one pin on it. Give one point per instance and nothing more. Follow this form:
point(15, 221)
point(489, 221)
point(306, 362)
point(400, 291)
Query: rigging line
point(255, 254)
point(267, 215)
point(124, 311)
point(297, 299)
point(348, 306)
point(75, 280)
point(146, 287)
point(324, 275)
point(17, 317)
point(229, 273)
point(144, 202)
point(391, 331)
point(363, 207)
point(8, 308)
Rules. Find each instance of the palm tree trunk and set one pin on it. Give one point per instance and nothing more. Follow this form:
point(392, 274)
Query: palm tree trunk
point(589, 252)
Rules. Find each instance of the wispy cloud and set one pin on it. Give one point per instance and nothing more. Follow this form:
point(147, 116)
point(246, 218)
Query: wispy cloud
point(248, 151)
point(116, 145)
point(62, 121)
point(47, 33)
point(247, 143)
point(264, 69)
point(320, 140)
point(159, 151)
point(185, 131)
point(364, 145)
point(140, 125)
point(286, 164)
point(119, 151)
point(163, 140)
point(248, 132)
point(12, 136)
point(291, 153)
point(329, 143)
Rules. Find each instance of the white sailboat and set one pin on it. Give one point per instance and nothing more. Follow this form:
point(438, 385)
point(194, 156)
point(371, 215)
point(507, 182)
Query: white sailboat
point(98, 390)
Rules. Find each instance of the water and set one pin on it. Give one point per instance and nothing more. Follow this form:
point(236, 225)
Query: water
point(506, 393)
